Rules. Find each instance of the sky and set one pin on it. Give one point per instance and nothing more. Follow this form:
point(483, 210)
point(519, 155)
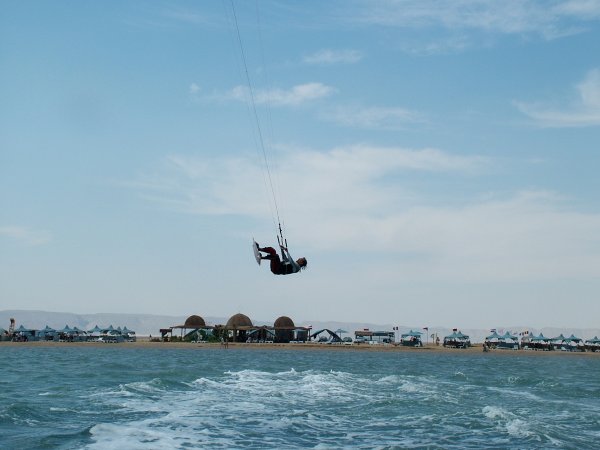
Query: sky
point(436, 162)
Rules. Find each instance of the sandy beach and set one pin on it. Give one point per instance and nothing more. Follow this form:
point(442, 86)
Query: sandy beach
point(426, 349)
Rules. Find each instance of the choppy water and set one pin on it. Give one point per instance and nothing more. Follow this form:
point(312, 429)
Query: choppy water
point(119, 397)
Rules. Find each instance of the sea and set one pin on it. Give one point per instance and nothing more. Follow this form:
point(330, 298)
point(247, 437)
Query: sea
point(119, 396)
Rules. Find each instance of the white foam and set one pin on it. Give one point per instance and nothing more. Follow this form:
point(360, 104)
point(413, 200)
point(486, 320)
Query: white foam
point(518, 428)
point(495, 412)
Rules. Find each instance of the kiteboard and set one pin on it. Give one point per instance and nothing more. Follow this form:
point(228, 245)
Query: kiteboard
point(256, 252)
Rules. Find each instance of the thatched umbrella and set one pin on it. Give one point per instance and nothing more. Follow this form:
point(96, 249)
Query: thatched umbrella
point(284, 329)
point(239, 323)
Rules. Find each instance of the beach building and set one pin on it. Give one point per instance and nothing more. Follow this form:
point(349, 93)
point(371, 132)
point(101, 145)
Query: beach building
point(457, 340)
point(411, 339)
point(374, 337)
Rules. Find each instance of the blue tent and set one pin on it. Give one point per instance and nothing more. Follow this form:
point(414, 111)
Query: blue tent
point(412, 333)
point(540, 338)
point(494, 335)
point(507, 335)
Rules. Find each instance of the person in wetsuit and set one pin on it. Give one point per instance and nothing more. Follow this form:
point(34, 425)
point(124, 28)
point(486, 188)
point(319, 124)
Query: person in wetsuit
point(284, 265)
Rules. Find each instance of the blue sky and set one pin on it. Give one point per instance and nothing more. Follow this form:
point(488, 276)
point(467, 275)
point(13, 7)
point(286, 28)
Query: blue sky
point(436, 162)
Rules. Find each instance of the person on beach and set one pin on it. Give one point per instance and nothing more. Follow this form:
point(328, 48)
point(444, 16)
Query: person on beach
point(284, 265)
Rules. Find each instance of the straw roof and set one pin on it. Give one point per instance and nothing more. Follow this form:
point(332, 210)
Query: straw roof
point(194, 321)
point(284, 322)
point(239, 320)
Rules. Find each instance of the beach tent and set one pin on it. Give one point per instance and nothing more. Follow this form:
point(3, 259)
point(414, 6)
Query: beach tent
point(333, 336)
point(261, 334)
point(573, 338)
point(46, 332)
point(412, 333)
point(95, 330)
point(66, 330)
point(411, 339)
point(593, 344)
point(457, 339)
point(492, 336)
point(508, 341)
point(457, 335)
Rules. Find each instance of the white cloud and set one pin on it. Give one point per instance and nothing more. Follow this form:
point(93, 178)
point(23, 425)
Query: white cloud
point(373, 117)
point(328, 56)
point(295, 96)
point(231, 186)
point(194, 89)
point(549, 19)
point(26, 235)
point(354, 200)
point(583, 111)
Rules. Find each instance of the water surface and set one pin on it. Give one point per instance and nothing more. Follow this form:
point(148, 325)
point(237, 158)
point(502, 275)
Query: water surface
point(114, 396)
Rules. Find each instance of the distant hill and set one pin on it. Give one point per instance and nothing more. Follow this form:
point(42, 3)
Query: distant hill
point(149, 324)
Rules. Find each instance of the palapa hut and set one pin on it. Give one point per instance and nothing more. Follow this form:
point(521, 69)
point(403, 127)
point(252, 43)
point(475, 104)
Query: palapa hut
point(284, 329)
point(238, 327)
point(193, 329)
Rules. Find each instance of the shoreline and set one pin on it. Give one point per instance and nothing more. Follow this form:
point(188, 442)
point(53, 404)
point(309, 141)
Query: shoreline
point(426, 349)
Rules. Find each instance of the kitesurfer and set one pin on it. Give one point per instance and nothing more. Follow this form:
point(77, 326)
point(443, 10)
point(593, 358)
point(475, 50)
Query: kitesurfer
point(284, 265)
